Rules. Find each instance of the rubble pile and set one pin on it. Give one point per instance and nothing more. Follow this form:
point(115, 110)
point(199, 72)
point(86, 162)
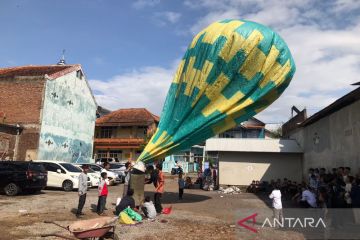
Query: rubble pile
point(229, 190)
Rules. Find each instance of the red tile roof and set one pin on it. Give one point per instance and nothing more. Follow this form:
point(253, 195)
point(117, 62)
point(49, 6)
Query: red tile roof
point(53, 71)
point(128, 117)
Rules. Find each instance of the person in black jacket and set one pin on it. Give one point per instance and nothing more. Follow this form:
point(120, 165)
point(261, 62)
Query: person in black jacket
point(355, 197)
point(127, 201)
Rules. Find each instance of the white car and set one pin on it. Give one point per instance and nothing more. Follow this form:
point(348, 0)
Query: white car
point(94, 176)
point(62, 174)
point(113, 178)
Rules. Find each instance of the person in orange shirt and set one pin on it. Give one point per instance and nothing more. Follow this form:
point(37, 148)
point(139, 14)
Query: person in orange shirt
point(159, 188)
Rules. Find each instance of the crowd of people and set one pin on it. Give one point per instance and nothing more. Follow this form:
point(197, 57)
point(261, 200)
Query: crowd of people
point(147, 208)
point(337, 188)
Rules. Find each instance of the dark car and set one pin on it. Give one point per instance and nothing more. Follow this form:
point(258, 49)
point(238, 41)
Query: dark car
point(18, 176)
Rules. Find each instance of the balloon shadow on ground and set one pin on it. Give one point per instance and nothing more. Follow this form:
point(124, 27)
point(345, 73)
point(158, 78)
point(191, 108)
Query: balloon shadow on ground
point(173, 197)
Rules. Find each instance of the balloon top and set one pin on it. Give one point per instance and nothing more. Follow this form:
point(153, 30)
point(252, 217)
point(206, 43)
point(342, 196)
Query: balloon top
point(232, 70)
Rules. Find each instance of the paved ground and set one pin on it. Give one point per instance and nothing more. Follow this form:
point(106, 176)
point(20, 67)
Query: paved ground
point(201, 215)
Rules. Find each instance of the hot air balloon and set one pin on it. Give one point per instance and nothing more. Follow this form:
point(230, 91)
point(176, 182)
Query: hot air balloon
point(232, 70)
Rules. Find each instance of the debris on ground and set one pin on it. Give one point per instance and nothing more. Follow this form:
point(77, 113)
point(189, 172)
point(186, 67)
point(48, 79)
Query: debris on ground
point(229, 190)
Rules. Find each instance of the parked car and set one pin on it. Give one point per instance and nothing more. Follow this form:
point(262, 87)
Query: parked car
point(113, 178)
point(176, 171)
point(102, 160)
point(118, 168)
point(62, 175)
point(94, 176)
point(17, 176)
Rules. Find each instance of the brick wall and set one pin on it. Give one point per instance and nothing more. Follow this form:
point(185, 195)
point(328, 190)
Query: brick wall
point(21, 99)
point(7, 144)
point(29, 140)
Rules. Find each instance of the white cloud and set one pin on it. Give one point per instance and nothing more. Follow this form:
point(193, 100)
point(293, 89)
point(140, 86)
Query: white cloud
point(326, 53)
point(167, 17)
point(139, 4)
point(346, 5)
point(325, 49)
point(146, 87)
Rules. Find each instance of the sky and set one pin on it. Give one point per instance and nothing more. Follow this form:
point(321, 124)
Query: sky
point(129, 50)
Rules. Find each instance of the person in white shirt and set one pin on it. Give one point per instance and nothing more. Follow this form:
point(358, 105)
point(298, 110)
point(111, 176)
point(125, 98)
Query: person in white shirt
point(148, 208)
point(82, 190)
point(308, 198)
point(106, 169)
point(276, 203)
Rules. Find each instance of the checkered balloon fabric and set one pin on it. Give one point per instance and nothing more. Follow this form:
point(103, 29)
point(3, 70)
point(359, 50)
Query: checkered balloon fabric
point(232, 70)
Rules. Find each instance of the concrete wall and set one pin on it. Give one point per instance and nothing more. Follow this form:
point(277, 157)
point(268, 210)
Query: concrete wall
point(68, 120)
point(240, 168)
point(332, 141)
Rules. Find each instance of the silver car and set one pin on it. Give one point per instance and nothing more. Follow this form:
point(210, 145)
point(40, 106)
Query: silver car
point(118, 168)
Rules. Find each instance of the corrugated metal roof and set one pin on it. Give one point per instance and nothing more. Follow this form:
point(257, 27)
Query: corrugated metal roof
point(253, 145)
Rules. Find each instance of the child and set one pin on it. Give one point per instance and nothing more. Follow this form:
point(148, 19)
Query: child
point(276, 202)
point(103, 192)
point(181, 183)
point(148, 208)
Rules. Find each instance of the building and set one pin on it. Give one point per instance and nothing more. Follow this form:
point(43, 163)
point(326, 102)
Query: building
point(252, 128)
point(9, 140)
point(247, 152)
point(192, 159)
point(331, 137)
point(101, 111)
point(123, 134)
point(50, 110)
point(189, 159)
point(245, 159)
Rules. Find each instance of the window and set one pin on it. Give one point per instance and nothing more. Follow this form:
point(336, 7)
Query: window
point(101, 154)
point(70, 167)
point(106, 132)
point(95, 168)
point(232, 133)
point(252, 133)
point(52, 167)
point(37, 167)
point(4, 167)
point(116, 154)
point(79, 74)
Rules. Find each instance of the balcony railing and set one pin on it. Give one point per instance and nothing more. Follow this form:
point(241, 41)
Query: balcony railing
point(119, 141)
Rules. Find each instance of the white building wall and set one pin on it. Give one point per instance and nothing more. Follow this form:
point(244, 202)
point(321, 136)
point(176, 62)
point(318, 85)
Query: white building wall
point(68, 120)
point(240, 168)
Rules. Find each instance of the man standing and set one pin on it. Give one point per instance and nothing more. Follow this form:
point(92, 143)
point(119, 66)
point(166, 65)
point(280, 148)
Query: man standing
point(159, 189)
point(276, 203)
point(82, 190)
point(127, 178)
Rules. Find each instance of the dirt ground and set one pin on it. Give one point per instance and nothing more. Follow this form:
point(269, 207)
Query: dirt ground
point(200, 215)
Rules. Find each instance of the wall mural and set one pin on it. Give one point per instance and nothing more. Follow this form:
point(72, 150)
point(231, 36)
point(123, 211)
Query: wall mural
point(64, 149)
point(68, 120)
